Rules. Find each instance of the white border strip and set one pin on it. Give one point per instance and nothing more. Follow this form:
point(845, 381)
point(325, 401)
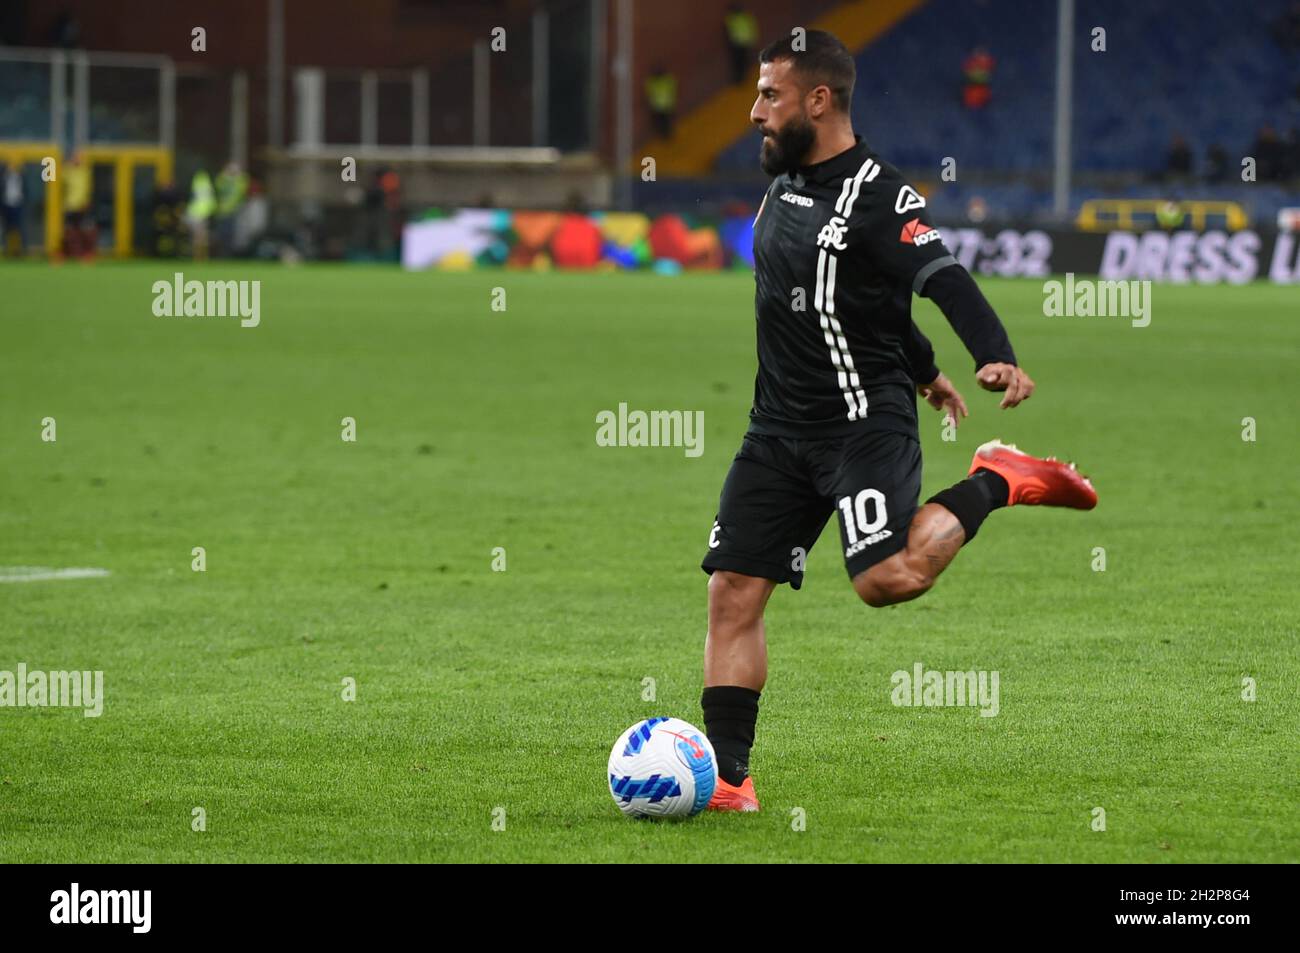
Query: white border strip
point(43, 573)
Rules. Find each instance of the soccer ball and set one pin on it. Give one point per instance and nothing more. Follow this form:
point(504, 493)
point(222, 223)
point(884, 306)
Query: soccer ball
point(662, 767)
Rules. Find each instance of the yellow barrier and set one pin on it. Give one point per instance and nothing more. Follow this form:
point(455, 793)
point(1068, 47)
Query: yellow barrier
point(123, 158)
point(1103, 215)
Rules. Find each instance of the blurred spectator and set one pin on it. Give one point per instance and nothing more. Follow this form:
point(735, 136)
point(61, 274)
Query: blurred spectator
point(575, 202)
point(232, 187)
point(203, 203)
point(1178, 161)
point(168, 215)
point(1269, 155)
point(661, 96)
point(79, 235)
point(742, 38)
point(253, 219)
point(1216, 164)
point(383, 207)
point(11, 209)
point(977, 69)
point(1286, 29)
point(1289, 167)
point(65, 32)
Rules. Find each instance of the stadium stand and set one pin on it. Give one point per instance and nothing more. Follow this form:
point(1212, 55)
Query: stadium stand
point(1123, 122)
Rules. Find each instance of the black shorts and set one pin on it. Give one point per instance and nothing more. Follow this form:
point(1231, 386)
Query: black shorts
point(780, 492)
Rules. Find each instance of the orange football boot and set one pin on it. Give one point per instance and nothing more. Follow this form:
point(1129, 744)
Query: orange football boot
point(729, 797)
point(1035, 481)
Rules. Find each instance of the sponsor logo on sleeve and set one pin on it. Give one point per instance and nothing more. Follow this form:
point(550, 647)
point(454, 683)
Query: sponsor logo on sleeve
point(916, 232)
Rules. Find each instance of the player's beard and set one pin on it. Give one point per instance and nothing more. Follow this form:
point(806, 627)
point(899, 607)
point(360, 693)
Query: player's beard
point(786, 149)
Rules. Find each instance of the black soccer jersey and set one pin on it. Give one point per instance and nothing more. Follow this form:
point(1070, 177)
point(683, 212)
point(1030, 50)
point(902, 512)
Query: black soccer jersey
point(839, 248)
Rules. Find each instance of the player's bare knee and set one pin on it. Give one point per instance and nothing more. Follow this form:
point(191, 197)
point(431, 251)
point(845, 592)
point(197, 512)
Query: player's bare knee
point(872, 595)
point(878, 595)
point(916, 584)
point(734, 597)
point(872, 587)
point(889, 585)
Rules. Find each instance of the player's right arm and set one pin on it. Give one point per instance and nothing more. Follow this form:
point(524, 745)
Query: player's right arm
point(920, 355)
point(931, 383)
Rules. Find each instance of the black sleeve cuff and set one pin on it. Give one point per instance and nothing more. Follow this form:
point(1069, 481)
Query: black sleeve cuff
point(927, 376)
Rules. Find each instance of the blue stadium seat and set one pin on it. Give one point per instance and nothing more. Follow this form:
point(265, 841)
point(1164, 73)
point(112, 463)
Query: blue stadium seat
point(1210, 72)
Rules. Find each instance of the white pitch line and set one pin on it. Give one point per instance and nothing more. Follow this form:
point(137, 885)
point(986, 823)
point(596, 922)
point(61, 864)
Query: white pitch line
point(42, 573)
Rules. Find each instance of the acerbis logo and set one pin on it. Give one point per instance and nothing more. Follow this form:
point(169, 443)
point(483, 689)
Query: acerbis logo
point(132, 907)
point(917, 232)
point(714, 542)
point(908, 199)
point(871, 540)
point(793, 199)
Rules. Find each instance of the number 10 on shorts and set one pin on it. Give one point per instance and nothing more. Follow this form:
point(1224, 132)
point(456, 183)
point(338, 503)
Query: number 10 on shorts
point(858, 521)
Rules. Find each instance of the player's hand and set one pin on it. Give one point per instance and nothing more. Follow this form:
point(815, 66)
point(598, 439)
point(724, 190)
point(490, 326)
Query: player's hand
point(1006, 377)
point(941, 395)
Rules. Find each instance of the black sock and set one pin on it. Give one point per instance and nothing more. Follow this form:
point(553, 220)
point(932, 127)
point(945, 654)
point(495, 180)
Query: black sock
point(730, 713)
point(973, 499)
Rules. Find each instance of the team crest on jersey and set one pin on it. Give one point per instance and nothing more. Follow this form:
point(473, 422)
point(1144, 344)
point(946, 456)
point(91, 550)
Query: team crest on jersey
point(908, 199)
point(916, 232)
point(832, 234)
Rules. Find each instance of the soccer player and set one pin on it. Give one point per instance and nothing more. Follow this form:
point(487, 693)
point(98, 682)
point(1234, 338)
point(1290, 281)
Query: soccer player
point(841, 242)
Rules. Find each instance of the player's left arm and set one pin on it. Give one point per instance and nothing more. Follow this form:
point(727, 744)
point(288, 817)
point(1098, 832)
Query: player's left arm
point(904, 243)
point(953, 289)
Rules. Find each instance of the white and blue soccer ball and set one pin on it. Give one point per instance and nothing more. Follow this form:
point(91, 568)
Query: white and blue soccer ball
point(662, 767)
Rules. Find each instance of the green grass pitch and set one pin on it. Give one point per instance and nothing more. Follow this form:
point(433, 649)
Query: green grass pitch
point(478, 690)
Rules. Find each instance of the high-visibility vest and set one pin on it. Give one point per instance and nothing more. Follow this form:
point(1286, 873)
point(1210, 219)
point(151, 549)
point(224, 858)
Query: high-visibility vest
point(661, 91)
point(76, 186)
point(203, 201)
point(742, 28)
point(231, 189)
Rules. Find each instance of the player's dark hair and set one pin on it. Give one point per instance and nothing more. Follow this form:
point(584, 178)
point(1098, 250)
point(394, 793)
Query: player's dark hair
point(822, 61)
